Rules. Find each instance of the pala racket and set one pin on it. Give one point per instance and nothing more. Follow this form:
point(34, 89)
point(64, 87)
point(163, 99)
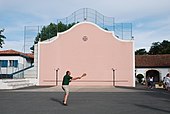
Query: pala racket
point(83, 75)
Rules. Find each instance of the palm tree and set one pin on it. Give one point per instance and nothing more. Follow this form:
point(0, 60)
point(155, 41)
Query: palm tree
point(2, 37)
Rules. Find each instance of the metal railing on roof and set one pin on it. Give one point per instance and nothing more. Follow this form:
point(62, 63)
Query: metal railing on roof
point(121, 30)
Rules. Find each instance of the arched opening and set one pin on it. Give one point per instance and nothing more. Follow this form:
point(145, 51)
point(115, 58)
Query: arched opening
point(140, 78)
point(154, 74)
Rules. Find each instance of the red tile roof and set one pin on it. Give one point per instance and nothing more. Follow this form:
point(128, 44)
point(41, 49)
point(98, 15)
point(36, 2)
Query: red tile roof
point(6, 52)
point(31, 55)
point(13, 52)
point(142, 61)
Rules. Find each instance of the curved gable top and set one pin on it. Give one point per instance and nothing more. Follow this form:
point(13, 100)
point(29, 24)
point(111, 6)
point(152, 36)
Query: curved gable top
point(79, 26)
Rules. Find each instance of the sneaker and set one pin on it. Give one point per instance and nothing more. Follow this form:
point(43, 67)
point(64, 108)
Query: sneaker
point(65, 104)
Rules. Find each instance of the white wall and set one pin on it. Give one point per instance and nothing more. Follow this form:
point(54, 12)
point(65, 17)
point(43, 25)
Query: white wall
point(22, 63)
point(162, 71)
point(36, 62)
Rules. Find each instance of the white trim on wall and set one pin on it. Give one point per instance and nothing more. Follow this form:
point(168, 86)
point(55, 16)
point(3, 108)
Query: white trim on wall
point(134, 78)
point(61, 33)
point(38, 63)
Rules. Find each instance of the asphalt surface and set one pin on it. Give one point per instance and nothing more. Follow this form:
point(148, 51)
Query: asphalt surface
point(120, 101)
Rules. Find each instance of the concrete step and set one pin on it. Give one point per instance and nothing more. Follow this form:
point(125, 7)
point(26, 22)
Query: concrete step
point(14, 80)
point(14, 83)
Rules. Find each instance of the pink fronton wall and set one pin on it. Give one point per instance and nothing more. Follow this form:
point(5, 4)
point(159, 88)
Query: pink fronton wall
point(86, 48)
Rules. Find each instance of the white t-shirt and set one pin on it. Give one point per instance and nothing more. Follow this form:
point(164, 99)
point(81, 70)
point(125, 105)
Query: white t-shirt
point(167, 81)
point(151, 79)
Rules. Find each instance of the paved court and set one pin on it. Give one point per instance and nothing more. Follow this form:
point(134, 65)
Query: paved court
point(104, 100)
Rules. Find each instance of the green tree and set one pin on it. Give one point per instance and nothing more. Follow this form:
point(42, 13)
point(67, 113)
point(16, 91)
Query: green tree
point(165, 47)
point(47, 32)
point(2, 37)
point(141, 52)
point(160, 48)
point(51, 30)
point(156, 48)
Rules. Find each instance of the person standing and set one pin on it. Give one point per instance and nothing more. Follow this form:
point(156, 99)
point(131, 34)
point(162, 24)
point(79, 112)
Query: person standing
point(167, 82)
point(150, 82)
point(65, 84)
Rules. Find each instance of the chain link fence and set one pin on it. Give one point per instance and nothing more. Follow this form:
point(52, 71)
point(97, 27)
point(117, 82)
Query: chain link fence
point(121, 30)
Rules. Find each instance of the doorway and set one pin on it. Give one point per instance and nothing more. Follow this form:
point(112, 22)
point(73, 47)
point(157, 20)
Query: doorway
point(153, 73)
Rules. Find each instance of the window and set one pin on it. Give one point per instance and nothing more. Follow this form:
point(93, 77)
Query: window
point(3, 63)
point(13, 63)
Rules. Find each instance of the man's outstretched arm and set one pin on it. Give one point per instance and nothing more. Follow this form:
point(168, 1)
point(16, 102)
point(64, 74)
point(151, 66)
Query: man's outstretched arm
point(75, 78)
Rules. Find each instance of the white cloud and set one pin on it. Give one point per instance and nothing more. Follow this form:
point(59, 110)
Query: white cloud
point(150, 17)
point(144, 39)
point(152, 30)
point(118, 8)
point(15, 45)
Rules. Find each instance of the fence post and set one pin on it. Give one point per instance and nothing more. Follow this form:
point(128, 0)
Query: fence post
point(95, 17)
point(113, 71)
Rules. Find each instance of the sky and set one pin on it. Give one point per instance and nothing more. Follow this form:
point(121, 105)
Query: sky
point(150, 18)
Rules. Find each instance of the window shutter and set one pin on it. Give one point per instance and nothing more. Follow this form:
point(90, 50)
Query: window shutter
point(15, 63)
point(4, 63)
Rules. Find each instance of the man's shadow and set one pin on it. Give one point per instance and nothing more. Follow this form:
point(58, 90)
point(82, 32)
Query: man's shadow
point(57, 100)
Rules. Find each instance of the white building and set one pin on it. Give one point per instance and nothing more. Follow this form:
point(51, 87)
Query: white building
point(13, 63)
point(156, 66)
